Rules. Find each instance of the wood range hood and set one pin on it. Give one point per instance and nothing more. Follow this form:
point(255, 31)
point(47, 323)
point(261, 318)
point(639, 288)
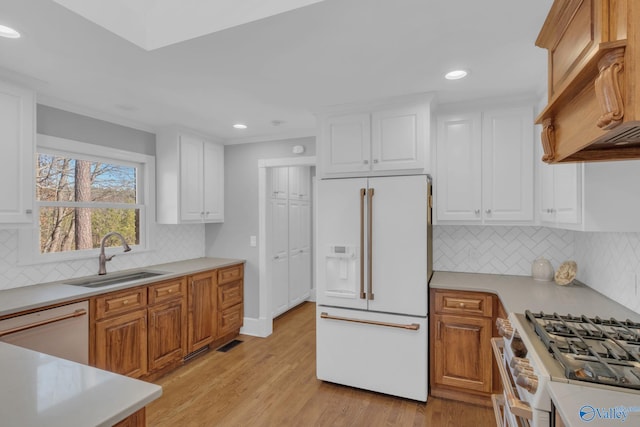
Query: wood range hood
point(593, 112)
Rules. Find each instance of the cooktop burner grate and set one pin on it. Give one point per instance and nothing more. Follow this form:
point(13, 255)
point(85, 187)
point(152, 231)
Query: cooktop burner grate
point(603, 351)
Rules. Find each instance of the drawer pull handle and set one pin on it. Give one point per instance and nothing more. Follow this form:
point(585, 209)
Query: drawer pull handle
point(170, 290)
point(77, 313)
point(125, 302)
point(411, 326)
point(461, 305)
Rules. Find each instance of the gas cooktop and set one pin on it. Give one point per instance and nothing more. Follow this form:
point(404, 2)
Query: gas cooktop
point(592, 349)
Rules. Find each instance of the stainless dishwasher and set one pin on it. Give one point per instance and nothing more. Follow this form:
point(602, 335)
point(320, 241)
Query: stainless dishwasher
point(60, 331)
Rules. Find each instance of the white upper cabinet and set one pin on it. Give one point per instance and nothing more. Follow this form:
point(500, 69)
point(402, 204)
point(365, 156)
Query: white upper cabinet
point(459, 174)
point(560, 191)
point(375, 139)
point(190, 178)
point(484, 172)
point(17, 163)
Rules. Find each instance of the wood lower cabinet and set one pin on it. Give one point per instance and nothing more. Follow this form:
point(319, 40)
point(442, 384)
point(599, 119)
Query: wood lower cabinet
point(462, 325)
point(202, 309)
point(146, 331)
point(137, 419)
point(121, 344)
point(167, 336)
point(141, 331)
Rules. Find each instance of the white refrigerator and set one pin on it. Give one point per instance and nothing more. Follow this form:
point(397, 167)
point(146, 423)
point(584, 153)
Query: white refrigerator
point(373, 265)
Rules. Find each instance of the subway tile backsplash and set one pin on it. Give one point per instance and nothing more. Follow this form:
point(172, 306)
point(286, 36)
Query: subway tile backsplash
point(172, 243)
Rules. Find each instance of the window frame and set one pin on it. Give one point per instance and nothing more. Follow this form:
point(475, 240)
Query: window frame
point(29, 238)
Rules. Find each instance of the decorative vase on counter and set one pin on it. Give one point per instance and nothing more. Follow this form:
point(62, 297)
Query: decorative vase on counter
point(542, 270)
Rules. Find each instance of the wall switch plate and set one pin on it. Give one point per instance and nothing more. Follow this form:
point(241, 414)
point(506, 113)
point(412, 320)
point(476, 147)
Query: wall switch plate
point(253, 241)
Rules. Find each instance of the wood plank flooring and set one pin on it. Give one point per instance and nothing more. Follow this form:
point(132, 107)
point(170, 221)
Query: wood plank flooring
point(272, 382)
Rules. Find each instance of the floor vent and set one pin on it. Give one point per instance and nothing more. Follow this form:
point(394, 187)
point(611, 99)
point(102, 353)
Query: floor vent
point(196, 353)
point(229, 346)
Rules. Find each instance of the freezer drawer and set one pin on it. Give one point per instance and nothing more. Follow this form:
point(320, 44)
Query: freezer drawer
point(388, 355)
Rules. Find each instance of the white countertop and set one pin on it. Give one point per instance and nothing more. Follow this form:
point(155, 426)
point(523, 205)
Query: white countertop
point(41, 390)
point(590, 406)
point(36, 296)
point(520, 293)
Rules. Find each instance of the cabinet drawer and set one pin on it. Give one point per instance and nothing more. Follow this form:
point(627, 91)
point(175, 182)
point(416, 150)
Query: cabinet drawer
point(470, 303)
point(229, 274)
point(120, 302)
point(167, 290)
point(229, 294)
point(230, 319)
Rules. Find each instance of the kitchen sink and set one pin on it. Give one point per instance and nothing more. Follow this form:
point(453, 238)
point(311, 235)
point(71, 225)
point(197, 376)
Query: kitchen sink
point(114, 278)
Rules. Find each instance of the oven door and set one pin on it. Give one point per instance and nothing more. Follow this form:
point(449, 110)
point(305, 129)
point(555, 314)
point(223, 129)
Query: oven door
point(509, 410)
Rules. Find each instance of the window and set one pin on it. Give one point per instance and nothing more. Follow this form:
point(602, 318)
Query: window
point(85, 191)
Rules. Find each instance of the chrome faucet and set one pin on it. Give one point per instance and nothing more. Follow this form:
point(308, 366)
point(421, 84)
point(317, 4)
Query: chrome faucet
point(103, 258)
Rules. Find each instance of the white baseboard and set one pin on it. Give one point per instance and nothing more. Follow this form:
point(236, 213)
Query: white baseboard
point(261, 327)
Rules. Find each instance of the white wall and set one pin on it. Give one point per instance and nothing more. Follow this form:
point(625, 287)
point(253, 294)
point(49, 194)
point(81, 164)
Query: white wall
point(231, 238)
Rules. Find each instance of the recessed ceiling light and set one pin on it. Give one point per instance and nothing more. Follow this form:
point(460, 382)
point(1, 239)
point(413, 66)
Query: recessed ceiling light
point(8, 32)
point(455, 74)
point(240, 126)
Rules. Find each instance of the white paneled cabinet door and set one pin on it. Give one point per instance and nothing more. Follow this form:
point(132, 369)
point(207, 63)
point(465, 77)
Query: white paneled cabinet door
point(398, 138)
point(566, 195)
point(547, 193)
point(290, 236)
point(458, 177)
point(347, 143)
point(213, 182)
point(17, 111)
point(279, 256)
point(191, 179)
point(507, 165)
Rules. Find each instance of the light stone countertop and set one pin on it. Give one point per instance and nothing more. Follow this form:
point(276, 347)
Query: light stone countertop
point(41, 390)
point(520, 293)
point(35, 296)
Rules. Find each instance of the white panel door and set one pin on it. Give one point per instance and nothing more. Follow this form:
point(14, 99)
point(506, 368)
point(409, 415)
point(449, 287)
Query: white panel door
point(507, 164)
point(191, 179)
point(399, 245)
point(373, 357)
point(398, 138)
point(213, 169)
point(339, 256)
point(299, 251)
point(346, 143)
point(279, 256)
point(458, 185)
point(17, 111)
point(280, 182)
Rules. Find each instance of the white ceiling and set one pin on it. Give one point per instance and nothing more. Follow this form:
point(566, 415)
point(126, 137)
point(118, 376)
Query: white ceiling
point(281, 67)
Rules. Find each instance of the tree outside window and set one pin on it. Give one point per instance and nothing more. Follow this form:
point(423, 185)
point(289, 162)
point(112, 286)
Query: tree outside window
point(82, 200)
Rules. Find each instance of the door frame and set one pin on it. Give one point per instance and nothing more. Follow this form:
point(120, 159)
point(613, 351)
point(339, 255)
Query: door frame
point(264, 328)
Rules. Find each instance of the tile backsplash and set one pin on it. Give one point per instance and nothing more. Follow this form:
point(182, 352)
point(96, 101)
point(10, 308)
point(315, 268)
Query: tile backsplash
point(607, 262)
point(498, 249)
point(172, 243)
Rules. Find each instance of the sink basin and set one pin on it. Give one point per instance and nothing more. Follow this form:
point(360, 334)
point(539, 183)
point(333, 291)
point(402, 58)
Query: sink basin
point(114, 279)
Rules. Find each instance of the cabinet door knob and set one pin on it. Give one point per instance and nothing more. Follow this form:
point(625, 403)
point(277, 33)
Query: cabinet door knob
point(488, 211)
point(477, 212)
point(375, 160)
point(366, 162)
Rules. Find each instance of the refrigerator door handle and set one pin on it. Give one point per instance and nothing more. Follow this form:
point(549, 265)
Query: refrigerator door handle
point(410, 326)
point(370, 243)
point(363, 192)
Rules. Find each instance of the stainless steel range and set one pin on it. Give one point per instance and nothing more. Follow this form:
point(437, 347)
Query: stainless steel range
point(540, 347)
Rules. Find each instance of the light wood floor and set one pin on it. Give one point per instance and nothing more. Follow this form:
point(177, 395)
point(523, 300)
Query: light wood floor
point(272, 382)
